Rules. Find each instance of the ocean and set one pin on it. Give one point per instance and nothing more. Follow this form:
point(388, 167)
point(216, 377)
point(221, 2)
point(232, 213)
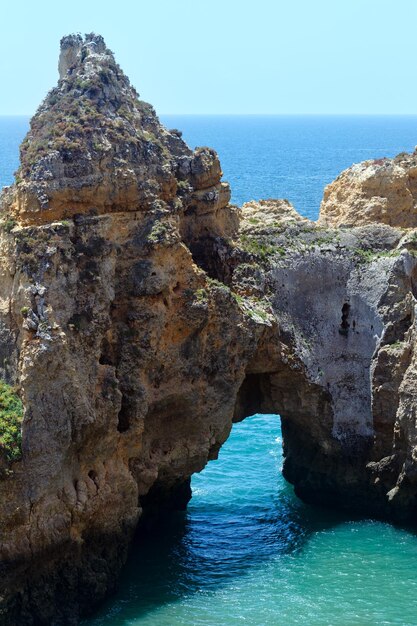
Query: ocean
point(247, 551)
point(271, 156)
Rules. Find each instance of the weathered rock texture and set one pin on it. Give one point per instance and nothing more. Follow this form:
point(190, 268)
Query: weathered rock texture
point(138, 319)
point(382, 190)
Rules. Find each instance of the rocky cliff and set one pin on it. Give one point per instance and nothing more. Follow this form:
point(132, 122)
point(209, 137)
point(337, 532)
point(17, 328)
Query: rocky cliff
point(381, 190)
point(141, 314)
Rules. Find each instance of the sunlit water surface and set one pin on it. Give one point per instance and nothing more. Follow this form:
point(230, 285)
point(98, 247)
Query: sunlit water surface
point(247, 551)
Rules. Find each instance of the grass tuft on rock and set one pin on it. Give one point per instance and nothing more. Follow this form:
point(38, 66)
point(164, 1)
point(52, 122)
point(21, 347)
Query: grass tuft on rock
point(11, 415)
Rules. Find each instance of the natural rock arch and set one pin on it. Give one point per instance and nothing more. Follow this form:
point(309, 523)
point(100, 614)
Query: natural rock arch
point(141, 313)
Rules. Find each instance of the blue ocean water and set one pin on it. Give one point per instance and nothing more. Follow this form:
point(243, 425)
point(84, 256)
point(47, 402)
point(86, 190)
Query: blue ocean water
point(275, 156)
point(247, 551)
point(12, 131)
point(294, 157)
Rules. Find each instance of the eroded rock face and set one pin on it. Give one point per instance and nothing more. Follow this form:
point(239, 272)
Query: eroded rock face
point(381, 190)
point(94, 147)
point(343, 302)
point(120, 346)
point(140, 314)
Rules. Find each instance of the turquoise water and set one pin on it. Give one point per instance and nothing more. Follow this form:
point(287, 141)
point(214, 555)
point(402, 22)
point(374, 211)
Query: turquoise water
point(247, 551)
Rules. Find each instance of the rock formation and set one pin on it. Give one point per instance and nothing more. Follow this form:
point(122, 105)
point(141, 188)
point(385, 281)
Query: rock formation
point(141, 314)
point(381, 190)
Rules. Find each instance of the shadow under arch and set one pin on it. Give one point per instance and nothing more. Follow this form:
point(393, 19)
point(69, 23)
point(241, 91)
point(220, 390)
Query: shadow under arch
point(220, 540)
point(242, 516)
point(279, 386)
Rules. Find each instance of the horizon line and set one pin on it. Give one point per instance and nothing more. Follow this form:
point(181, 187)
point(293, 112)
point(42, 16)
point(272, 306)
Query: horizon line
point(258, 114)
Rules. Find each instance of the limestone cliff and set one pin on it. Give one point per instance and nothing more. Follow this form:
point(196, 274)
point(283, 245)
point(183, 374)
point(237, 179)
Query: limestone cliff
point(381, 190)
point(141, 314)
point(127, 358)
point(343, 300)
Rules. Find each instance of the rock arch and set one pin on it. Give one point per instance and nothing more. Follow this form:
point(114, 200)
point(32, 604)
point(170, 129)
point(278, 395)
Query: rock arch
point(142, 313)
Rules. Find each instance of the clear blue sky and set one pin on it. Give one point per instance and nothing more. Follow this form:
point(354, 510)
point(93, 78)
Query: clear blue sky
point(226, 56)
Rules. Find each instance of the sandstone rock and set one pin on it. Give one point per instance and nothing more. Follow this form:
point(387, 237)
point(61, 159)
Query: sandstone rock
point(140, 314)
point(122, 353)
point(381, 190)
point(95, 148)
point(70, 55)
point(269, 213)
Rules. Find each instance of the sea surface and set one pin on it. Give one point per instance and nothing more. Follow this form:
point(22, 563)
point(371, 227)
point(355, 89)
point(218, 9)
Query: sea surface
point(247, 551)
point(269, 156)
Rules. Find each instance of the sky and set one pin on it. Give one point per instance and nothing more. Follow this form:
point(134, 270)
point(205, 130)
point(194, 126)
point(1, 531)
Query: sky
point(225, 56)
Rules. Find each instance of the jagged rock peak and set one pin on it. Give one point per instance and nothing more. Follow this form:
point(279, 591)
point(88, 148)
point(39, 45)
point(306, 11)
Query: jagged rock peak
point(74, 50)
point(95, 147)
point(92, 143)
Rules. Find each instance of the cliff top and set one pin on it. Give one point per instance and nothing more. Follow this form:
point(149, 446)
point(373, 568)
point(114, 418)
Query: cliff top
point(95, 110)
point(374, 191)
point(94, 146)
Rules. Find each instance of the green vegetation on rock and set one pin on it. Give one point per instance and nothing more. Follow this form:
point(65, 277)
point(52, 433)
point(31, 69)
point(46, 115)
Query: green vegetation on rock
point(262, 249)
point(213, 282)
point(11, 415)
point(9, 224)
point(396, 345)
point(367, 256)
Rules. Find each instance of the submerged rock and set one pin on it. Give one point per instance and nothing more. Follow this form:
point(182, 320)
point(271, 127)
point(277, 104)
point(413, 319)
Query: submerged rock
point(142, 314)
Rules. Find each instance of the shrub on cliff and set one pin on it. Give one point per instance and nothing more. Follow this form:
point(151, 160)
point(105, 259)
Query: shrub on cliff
point(11, 414)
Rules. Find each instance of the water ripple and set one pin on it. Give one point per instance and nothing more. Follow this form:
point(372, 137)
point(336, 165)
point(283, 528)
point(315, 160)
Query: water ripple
point(249, 552)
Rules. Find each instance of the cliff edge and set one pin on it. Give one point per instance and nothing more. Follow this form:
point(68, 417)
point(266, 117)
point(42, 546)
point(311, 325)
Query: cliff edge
point(141, 314)
point(379, 190)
